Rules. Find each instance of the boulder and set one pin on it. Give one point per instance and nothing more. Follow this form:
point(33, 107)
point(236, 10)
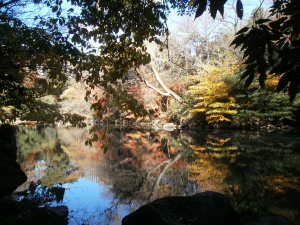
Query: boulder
point(169, 126)
point(28, 213)
point(11, 175)
point(270, 220)
point(61, 210)
point(207, 208)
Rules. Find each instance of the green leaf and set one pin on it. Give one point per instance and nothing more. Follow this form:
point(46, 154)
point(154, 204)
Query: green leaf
point(265, 29)
point(260, 21)
point(92, 130)
point(238, 40)
point(243, 30)
point(239, 9)
point(221, 9)
point(95, 137)
point(275, 24)
point(282, 19)
point(201, 7)
point(105, 148)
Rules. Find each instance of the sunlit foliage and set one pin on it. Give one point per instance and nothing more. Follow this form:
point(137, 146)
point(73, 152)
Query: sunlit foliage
point(213, 93)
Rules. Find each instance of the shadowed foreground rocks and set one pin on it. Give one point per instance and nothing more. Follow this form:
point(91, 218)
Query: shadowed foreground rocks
point(11, 175)
point(26, 212)
point(207, 208)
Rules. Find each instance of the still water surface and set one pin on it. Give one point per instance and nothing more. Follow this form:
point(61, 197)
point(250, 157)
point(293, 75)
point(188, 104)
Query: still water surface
point(142, 165)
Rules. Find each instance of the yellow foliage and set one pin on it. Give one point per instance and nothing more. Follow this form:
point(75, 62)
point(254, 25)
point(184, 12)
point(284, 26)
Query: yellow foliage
point(212, 93)
point(280, 183)
point(272, 81)
point(216, 118)
point(223, 155)
point(208, 173)
point(229, 148)
point(216, 141)
point(197, 148)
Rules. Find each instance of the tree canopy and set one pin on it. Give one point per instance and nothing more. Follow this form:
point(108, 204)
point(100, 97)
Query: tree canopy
point(272, 46)
point(59, 45)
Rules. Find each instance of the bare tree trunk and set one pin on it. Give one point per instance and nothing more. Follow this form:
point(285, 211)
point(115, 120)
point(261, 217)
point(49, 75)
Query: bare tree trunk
point(156, 89)
point(168, 91)
point(170, 163)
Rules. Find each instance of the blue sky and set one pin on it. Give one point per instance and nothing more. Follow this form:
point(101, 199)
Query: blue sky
point(31, 10)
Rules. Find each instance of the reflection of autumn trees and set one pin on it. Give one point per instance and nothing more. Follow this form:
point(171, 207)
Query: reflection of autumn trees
point(34, 139)
point(48, 164)
point(271, 167)
point(276, 161)
point(208, 170)
point(57, 162)
point(259, 172)
point(148, 166)
point(141, 165)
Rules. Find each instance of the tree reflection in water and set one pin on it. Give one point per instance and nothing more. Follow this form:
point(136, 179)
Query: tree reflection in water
point(259, 172)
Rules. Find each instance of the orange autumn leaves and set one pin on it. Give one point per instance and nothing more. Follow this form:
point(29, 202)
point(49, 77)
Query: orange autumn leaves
point(147, 151)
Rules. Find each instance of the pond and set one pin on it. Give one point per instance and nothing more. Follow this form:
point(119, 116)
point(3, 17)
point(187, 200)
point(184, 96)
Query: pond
point(257, 171)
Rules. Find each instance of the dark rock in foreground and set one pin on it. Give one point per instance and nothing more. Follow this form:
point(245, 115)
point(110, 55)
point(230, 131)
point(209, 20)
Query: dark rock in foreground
point(27, 213)
point(270, 220)
point(11, 175)
point(207, 208)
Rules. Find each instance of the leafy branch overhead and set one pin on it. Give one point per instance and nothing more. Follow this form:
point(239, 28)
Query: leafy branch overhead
point(43, 57)
point(214, 7)
point(272, 45)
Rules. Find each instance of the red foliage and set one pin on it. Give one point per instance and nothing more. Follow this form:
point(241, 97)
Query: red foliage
point(179, 164)
point(179, 86)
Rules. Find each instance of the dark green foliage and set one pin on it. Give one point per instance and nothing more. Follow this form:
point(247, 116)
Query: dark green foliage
point(266, 107)
point(263, 106)
point(274, 46)
point(201, 7)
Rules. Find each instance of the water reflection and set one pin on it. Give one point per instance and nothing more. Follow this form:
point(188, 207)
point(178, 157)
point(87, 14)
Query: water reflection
point(142, 165)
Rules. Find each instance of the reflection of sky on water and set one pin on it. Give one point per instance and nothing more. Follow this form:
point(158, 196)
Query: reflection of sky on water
point(85, 200)
point(91, 203)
